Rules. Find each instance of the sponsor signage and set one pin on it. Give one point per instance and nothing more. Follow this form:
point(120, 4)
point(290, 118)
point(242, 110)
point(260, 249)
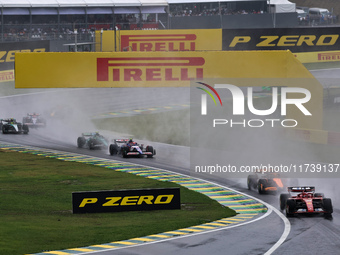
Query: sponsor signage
point(295, 40)
point(8, 50)
point(160, 40)
point(318, 56)
point(150, 69)
point(143, 69)
point(7, 75)
point(309, 44)
point(166, 42)
point(126, 200)
point(329, 56)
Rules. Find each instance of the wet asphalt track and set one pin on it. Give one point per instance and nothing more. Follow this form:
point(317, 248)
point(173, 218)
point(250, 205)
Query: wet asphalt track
point(308, 233)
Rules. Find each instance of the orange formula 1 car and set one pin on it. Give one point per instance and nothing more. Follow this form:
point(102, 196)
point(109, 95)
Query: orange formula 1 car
point(265, 181)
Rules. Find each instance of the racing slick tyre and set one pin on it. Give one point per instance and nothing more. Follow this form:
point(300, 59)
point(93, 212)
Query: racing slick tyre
point(250, 181)
point(260, 187)
point(25, 129)
point(319, 195)
point(150, 149)
point(328, 207)
point(283, 200)
point(91, 145)
point(4, 130)
point(81, 142)
point(290, 207)
point(113, 149)
point(124, 152)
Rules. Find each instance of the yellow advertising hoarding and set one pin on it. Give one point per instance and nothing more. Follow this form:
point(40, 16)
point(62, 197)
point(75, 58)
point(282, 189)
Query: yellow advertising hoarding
point(320, 56)
point(105, 41)
point(152, 69)
point(159, 40)
point(7, 75)
point(190, 40)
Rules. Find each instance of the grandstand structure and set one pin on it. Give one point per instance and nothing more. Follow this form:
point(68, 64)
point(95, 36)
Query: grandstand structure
point(60, 19)
point(23, 20)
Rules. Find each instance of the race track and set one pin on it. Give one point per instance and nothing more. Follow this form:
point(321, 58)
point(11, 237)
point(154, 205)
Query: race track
point(73, 110)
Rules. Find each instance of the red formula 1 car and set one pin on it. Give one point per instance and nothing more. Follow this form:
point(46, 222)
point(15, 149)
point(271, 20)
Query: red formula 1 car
point(305, 200)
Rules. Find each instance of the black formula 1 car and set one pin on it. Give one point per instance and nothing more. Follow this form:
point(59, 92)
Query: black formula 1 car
point(129, 148)
point(11, 126)
point(265, 181)
point(305, 200)
point(34, 120)
point(92, 140)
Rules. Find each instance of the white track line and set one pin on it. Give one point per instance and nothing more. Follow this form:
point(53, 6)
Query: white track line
point(41, 92)
point(271, 208)
point(326, 69)
point(184, 236)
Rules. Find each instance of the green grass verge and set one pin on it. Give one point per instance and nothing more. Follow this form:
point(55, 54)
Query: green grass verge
point(322, 65)
point(158, 127)
point(170, 127)
point(173, 127)
point(8, 88)
point(36, 204)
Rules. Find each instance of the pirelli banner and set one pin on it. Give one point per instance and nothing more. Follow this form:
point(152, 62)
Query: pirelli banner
point(148, 69)
point(159, 40)
point(293, 39)
point(7, 75)
point(8, 51)
point(318, 56)
point(126, 200)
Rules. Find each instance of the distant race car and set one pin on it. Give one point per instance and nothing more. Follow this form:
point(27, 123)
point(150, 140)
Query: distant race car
point(305, 200)
point(92, 140)
point(129, 148)
point(265, 181)
point(61, 112)
point(34, 120)
point(11, 126)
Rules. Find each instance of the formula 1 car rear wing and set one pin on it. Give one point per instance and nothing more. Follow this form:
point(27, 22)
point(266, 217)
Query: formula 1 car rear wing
point(301, 189)
point(88, 133)
point(33, 114)
point(121, 140)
